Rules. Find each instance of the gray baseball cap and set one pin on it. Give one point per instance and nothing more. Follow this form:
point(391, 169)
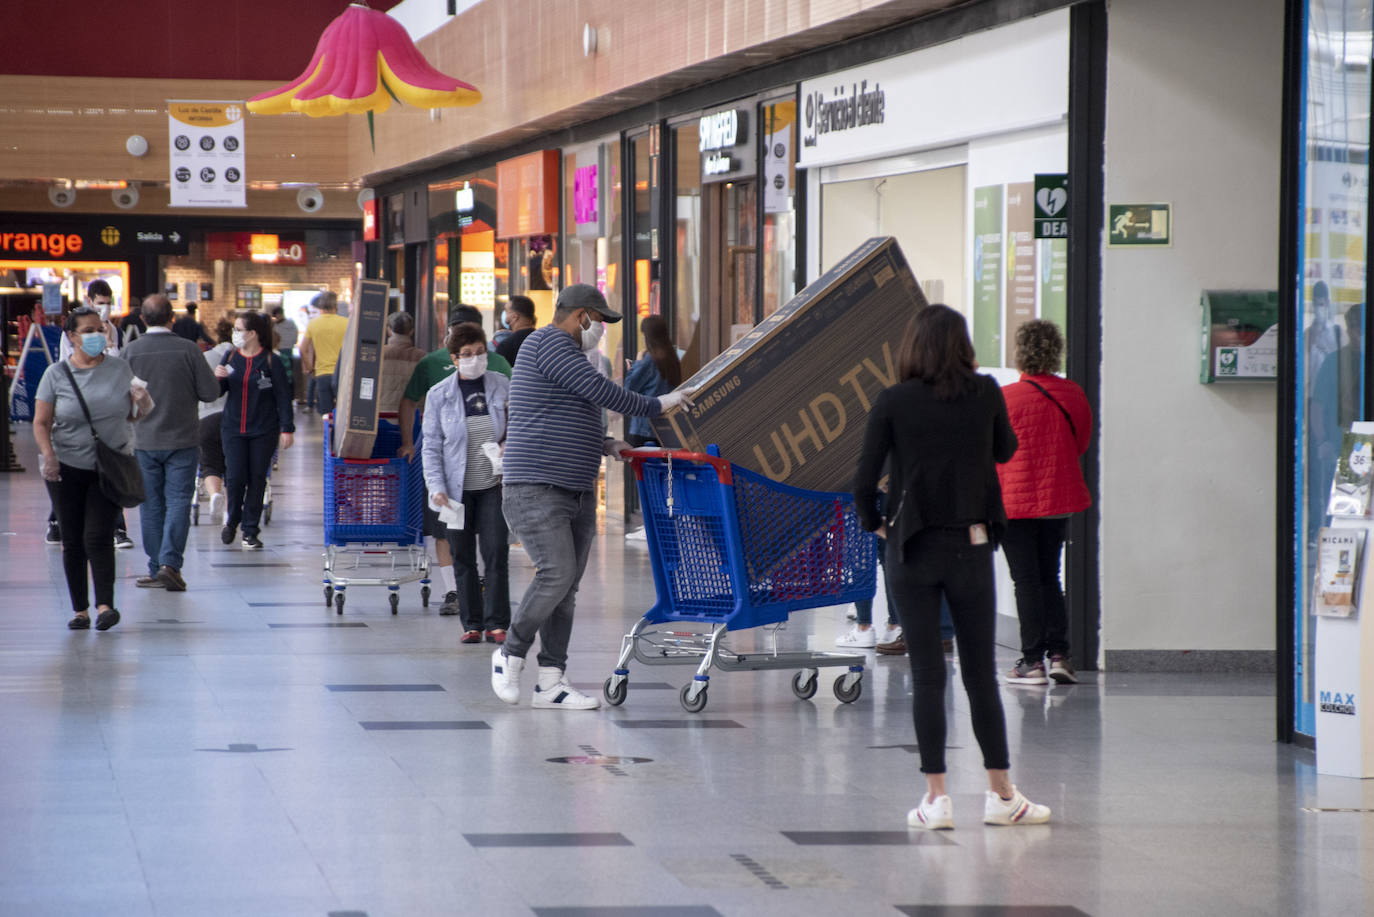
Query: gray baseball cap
point(586, 296)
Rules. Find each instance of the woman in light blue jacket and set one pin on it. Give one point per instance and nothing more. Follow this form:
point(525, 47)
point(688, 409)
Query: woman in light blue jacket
point(465, 420)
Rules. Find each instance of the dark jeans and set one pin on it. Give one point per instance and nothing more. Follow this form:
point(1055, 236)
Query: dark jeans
point(941, 562)
point(556, 527)
point(324, 394)
point(169, 478)
point(247, 460)
point(1032, 547)
point(87, 519)
point(484, 525)
point(863, 608)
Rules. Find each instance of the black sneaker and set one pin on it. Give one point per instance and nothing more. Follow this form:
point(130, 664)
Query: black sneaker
point(450, 606)
point(54, 535)
point(122, 539)
point(226, 534)
point(251, 543)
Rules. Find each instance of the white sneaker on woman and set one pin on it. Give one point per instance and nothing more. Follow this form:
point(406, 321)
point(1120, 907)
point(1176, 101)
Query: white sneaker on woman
point(932, 814)
point(859, 639)
point(1018, 810)
point(890, 633)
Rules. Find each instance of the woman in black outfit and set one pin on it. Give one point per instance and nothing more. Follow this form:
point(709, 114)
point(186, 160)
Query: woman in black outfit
point(257, 418)
point(944, 428)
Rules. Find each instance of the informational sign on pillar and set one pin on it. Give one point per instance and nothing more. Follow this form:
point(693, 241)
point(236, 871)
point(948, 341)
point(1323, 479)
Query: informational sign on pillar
point(1052, 205)
point(205, 150)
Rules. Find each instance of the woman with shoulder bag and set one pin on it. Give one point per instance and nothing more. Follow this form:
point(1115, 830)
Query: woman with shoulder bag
point(657, 372)
point(91, 394)
point(943, 428)
point(1042, 486)
point(257, 418)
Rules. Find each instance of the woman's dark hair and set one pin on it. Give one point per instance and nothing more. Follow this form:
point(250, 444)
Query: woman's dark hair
point(936, 349)
point(260, 325)
point(1039, 348)
point(661, 349)
point(69, 323)
point(464, 334)
point(224, 331)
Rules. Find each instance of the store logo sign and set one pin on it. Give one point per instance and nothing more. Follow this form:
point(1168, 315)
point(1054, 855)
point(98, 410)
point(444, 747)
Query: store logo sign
point(1336, 702)
point(54, 244)
point(718, 164)
point(721, 130)
point(585, 195)
point(843, 109)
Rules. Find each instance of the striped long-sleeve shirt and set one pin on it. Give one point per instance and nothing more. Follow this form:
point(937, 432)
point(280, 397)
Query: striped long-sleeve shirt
point(555, 434)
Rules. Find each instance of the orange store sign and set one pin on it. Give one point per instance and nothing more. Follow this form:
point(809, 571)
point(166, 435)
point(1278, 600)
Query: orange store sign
point(527, 195)
point(51, 244)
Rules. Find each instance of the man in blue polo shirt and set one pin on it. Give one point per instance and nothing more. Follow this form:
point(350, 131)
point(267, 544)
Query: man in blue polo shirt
point(555, 441)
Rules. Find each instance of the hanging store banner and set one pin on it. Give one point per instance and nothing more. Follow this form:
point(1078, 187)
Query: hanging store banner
point(205, 150)
point(1020, 260)
point(777, 157)
point(987, 274)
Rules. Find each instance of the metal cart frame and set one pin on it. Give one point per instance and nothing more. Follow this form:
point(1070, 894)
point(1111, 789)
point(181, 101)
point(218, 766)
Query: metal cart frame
point(731, 550)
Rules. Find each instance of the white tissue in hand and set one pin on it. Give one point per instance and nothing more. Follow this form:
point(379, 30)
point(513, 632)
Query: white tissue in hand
point(493, 453)
point(452, 515)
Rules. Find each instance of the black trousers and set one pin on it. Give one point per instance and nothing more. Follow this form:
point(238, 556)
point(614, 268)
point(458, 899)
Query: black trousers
point(1032, 547)
point(87, 519)
point(484, 526)
point(942, 562)
point(247, 459)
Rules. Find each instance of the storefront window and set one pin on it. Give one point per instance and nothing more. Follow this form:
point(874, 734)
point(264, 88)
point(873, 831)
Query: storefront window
point(470, 266)
point(1330, 330)
point(591, 229)
point(687, 227)
point(779, 125)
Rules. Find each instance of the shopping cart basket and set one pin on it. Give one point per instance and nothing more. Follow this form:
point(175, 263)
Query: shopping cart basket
point(374, 517)
point(732, 549)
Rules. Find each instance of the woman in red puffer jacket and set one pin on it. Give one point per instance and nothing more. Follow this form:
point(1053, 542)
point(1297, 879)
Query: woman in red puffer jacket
point(1042, 486)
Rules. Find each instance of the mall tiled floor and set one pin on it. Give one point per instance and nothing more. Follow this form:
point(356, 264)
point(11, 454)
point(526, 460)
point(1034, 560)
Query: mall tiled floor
point(241, 750)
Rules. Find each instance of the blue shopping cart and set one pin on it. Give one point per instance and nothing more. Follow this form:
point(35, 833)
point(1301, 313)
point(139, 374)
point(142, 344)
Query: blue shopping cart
point(374, 517)
point(732, 549)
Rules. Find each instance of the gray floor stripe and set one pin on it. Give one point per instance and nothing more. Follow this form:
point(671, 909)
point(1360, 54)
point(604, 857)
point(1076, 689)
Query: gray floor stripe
point(689, 910)
point(361, 688)
point(550, 839)
point(865, 838)
point(678, 724)
point(320, 624)
point(421, 725)
point(989, 910)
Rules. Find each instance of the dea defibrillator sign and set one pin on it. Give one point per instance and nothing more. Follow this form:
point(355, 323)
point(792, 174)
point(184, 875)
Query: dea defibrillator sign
point(1052, 205)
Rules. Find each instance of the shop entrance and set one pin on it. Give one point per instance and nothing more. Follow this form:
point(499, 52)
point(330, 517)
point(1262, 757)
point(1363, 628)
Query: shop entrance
point(731, 264)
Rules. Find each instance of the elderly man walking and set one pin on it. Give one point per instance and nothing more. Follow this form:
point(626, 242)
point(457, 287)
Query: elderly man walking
point(554, 445)
point(167, 443)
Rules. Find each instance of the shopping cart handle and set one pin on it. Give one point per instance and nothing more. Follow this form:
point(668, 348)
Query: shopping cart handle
point(637, 457)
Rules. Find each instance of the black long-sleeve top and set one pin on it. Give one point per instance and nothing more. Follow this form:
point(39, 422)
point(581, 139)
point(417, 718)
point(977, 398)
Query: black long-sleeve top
point(259, 399)
point(942, 458)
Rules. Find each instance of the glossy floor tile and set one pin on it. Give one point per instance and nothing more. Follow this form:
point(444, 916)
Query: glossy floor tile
point(241, 749)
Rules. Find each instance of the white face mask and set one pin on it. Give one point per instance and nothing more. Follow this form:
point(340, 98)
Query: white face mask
point(591, 335)
point(240, 339)
point(104, 310)
point(472, 367)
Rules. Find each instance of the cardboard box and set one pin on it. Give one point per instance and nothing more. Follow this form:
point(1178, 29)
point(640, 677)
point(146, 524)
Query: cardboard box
point(791, 398)
point(360, 372)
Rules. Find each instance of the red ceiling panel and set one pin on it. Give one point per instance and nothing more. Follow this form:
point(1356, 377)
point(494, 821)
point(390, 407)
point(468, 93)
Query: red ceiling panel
point(168, 39)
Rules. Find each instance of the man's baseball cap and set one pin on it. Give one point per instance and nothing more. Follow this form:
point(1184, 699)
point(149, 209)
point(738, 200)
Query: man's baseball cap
point(586, 296)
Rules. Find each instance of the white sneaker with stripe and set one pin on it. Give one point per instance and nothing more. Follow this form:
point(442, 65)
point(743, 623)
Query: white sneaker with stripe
point(1018, 810)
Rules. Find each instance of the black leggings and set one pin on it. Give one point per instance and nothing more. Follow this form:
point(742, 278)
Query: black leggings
point(943, 562)
point(87, 519)
point(247, 460)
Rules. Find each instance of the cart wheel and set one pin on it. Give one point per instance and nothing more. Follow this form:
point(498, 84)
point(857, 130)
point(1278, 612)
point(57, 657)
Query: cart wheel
point(338, 602)
point(328, 596)
point(695, 705)
point(424, 596)
point(804, 684)
point(852, 694)
point(395, 602)
point(615, 693)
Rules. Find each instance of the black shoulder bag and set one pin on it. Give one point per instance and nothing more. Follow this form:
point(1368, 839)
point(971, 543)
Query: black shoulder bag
point(1055, 402)
point(121, 480)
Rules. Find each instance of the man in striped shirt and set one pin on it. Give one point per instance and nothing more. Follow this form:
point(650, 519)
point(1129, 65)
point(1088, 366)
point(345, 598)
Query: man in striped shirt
point(554, 445)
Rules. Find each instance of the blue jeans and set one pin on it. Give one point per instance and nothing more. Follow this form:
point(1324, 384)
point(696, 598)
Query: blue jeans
point(482, 524)
point(863, 608)
point(556, 527)
point(324, 394)
point(169, 477)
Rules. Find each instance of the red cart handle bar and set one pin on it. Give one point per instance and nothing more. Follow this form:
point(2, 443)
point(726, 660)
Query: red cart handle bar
point(724, 473)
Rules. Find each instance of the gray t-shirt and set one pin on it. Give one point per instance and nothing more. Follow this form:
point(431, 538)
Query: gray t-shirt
point(105, 387)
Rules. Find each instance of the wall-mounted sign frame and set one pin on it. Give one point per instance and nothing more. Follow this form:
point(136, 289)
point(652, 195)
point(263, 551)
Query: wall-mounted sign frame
point(1140, 225)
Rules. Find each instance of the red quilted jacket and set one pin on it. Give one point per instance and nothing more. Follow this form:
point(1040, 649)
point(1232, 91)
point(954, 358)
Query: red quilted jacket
point(1043, 478)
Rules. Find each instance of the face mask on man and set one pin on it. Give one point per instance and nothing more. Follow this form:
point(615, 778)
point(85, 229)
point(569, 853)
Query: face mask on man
point(472, 367)
point(104, 309)
point(240, 339)
point(591, 334)
point(505, 323)
point(93, 343)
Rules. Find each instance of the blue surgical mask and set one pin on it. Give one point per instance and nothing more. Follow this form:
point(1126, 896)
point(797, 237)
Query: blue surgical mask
point(504, 324)
point(93, 344)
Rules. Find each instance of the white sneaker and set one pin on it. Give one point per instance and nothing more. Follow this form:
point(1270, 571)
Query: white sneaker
point(1018, 810)
point(217, 502)
point(891, 633)
point(932, 814)
point(554, 693)
point(637, 535)
point(859, 639)
point(505, 676)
